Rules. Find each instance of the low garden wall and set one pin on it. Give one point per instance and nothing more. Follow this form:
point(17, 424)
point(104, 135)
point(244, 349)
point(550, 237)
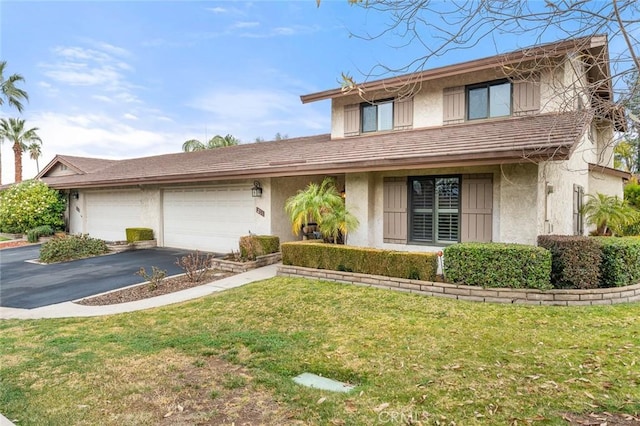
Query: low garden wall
point(598, 296)
point(237, 267)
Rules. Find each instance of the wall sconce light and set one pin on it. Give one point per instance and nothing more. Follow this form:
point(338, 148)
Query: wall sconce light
point(256, 191)
point(343, 193)
point(75, 195)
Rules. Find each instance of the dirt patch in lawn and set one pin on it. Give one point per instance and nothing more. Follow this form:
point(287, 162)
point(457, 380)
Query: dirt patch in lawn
point(170, 388)
point(598, 419)
point(144, 291)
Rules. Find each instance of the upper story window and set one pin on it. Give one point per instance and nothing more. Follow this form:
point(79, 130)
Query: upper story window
point(377, 116)
point(488, 100)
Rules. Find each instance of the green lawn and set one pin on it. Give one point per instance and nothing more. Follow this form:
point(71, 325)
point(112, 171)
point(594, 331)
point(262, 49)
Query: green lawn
point(412, 358)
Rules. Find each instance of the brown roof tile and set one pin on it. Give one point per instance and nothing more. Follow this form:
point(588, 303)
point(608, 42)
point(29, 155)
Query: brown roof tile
point(530, 138)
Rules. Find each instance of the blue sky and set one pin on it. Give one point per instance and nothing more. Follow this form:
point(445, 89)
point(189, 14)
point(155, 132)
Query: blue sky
point(129, 79)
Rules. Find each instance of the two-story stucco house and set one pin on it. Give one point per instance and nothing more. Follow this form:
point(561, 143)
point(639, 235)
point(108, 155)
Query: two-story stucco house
point(498, 149)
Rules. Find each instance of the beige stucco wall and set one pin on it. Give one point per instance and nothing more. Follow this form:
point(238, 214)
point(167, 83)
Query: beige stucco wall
point(518, 204)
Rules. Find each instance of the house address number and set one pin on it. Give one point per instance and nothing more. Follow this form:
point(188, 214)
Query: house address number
point(260, 211)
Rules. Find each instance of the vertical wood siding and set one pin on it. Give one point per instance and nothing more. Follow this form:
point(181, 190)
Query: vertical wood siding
point(526, 97)
point(403, 114)
point(454, 105)
point(395, 210)
point(352, 120)
point(477, 209)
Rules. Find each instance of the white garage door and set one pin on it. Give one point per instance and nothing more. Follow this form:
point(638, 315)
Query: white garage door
point(208, 219)
point(109, 213)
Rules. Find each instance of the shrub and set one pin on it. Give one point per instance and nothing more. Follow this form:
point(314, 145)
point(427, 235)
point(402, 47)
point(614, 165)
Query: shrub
point(498, 265)
point(30, 204)
point(71, 247)
point(575, 260)
point(41, 231)
point(195, 265)
point(422, 266)
point(139, 234)
point(155, 279)
point(252, 246)
point(620, 261)
point(632, 194)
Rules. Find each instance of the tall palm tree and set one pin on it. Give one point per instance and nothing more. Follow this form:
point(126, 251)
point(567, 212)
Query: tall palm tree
point(215, 142)
point(13, 130)
point(9, 93)
point(35, 152)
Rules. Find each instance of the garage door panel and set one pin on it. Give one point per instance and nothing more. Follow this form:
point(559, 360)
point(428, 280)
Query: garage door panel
point(211, 219)
point(110, 213)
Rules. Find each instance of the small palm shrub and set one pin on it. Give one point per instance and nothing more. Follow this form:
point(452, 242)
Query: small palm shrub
point(71, 247)
point(41, 231)
point(609, 214)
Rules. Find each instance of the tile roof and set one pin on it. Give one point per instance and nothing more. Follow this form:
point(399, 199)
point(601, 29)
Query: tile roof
point(514, 139)
point(81, 165)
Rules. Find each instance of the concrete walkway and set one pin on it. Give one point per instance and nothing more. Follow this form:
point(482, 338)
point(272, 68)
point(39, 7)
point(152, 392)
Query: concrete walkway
point(70, 309)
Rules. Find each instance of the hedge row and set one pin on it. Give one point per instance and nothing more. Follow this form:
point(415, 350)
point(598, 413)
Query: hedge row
point(575, 260)
point(71, 247)
point(620, 261)
point(498, 265)
point(252, 246)
point(138, 234)
point(335, 257)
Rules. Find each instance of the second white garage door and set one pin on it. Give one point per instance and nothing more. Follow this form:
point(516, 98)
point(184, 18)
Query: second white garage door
point(208, 219)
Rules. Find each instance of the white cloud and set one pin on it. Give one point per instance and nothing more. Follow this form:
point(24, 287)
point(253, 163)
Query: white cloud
point(129, 116)
point(245, 25)
point(216, 9)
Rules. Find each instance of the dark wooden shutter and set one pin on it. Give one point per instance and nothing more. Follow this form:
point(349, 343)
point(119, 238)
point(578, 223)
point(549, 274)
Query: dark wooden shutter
point(395, 210)
point(352, 120)
point(477, 208)
point(578, 199)
point(453, 105)
point(403, 114)
point(526, 97)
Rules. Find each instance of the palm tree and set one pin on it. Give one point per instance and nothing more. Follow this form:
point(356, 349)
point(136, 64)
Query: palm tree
point(9, 93)
point(13, 130)
point(35, 152)
point(608, 213)
point(337, 222)
point(215, 142)
point(323, 205)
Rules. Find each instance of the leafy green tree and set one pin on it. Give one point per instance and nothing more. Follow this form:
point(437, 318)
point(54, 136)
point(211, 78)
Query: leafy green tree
point(624, 156)
point(13, 130)
point(30, 204)
point(632, 193)
point(609, 214)
point(9, 92)
point(323, 205)
point(215, 142)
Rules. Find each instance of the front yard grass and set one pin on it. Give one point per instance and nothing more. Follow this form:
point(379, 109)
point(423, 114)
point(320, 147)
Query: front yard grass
point(411, 357)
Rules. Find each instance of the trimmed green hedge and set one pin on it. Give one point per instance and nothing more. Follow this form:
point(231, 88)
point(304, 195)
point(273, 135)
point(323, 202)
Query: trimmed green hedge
point(498, 265)
point(575, 260)
point(337, 257)
point(252, 246)
point(139, 234)
point(620, 261)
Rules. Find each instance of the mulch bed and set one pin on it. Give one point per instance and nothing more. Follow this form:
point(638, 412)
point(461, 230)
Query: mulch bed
point(144, 291)
point(13, 243)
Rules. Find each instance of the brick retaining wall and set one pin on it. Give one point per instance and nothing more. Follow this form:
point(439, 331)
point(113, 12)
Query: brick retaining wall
point(238, 267)
point(600, 296)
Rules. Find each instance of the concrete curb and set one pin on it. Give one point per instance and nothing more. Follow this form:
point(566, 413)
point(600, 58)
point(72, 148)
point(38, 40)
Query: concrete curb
point(71, 309)
point(5, 421)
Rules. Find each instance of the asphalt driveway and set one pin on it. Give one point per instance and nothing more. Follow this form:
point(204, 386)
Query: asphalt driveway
point(27, 285)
